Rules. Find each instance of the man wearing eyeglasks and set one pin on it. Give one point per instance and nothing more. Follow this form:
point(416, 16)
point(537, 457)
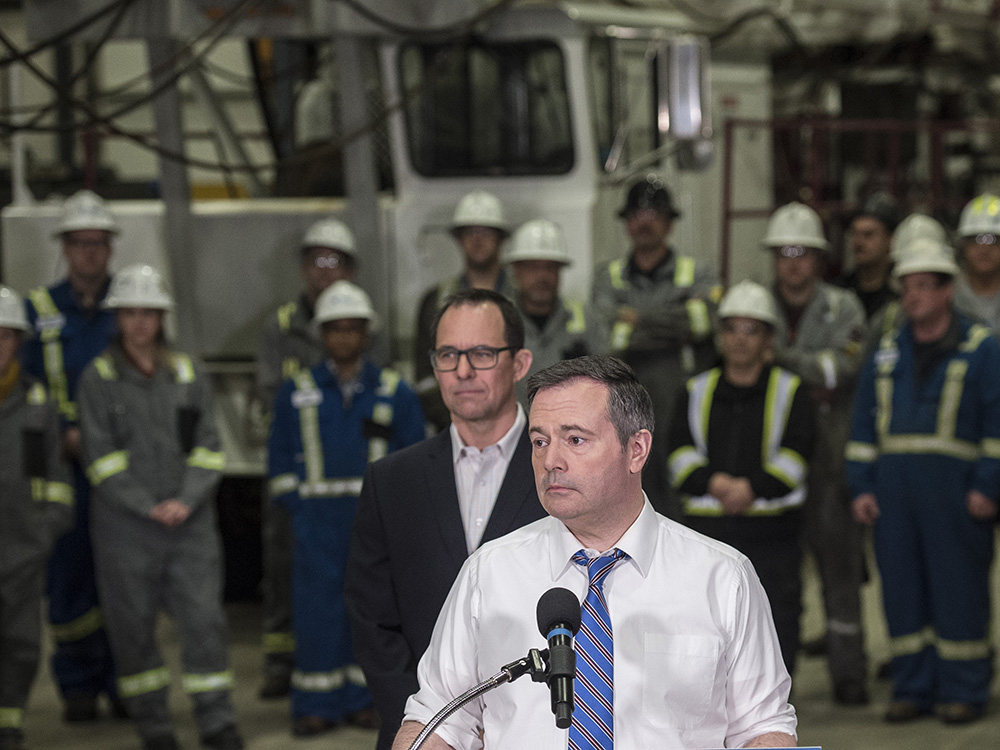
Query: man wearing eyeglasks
point(977, 290)
point(424, 509)
point(819, 337)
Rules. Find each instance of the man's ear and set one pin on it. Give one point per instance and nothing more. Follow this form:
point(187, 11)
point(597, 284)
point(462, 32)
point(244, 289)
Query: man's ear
point(638, 450)
point(522, 363)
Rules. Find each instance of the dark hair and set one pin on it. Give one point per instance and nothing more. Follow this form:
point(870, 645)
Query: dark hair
point(513, 326)
point(630, 408)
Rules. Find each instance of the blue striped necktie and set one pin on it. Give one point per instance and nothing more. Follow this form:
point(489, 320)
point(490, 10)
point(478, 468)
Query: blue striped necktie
point(593, 726)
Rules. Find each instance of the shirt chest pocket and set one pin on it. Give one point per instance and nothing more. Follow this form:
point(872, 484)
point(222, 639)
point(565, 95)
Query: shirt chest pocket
point(679, 677)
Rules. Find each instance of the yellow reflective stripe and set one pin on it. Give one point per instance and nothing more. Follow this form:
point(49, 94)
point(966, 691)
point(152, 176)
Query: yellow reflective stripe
point(282, 483)
point(105, 367)
point(59, 492)
point(683, 461)
point(883, 409)
point(977, 334)
point(709, 506)
point(107, 466)
point(684, 271)
point(278, 643)
point(951, 397)
point(963, 650)
point(52, 352)
point(38, 489)
point(577, 322)
point(861, 452)
point(388, 383)
point(331, 487)
point(788, 466)
point(620, 335)
point(183, 368)
point(203, 458)
point(990, 447)
point(324, 682)
point(134, 685)
point(207, 683)
point(285, 313)
point(37, 395)
point(290, 367)
point(911, 643)
point(10, 718)
point(701, 323)
point(74, 630)
point(312, 447)
point(382, 413)
point(942, 446)
point(615, 269)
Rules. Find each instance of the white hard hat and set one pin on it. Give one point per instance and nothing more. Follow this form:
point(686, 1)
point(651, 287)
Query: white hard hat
point(331, 233)
point(795, 224)
point(479, 209)
point(981, 215)
point(12, 314)
point(86, 210)
point(748, 299)
point(343, 300)
point(138, 285)
point(539, 239)
point(913, 227)
point(925, 255)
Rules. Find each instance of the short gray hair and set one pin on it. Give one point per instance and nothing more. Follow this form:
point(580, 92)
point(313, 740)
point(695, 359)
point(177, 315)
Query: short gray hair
point(630, 408)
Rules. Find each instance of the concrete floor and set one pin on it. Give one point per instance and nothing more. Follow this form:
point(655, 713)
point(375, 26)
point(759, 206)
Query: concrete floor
point(265, 725)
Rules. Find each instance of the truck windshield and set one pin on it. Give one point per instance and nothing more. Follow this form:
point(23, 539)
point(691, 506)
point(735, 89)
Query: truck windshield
point(487, 108)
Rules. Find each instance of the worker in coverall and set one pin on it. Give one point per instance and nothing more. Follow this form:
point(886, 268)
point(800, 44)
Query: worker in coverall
point(659, 306)
point(153, 458)
point(479, 228)
point(71, 329)
point(36, 505)
point(820, 337)
point(329, 422)
point(290, 343)
point(924, 469)
point(977, 289)
point(739, 445)
point(555, 327)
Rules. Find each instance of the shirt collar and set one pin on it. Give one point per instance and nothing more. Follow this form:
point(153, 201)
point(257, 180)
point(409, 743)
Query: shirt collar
point(507, 444)
point(638, 542)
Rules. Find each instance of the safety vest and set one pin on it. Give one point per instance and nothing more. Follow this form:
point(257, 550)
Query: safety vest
point(117, 461)
point(577, 321)
point(697, 309)
point(943, 441)
point(306, 398)
point(781, 462)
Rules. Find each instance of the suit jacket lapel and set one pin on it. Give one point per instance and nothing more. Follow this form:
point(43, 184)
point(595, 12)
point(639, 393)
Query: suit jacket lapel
point(442, 496)
point(517, 489)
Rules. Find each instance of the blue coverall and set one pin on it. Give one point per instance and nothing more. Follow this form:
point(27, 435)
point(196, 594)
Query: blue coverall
point(321, 441)
point(920, 445)
point(67, 338)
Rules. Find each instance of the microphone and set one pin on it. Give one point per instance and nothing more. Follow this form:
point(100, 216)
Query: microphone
point(558, 616)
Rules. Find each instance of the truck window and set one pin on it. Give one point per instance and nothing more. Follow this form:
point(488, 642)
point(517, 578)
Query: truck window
point(487, 108)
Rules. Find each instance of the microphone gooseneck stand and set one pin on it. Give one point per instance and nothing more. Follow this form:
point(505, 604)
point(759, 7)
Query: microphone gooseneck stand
point(535, 663)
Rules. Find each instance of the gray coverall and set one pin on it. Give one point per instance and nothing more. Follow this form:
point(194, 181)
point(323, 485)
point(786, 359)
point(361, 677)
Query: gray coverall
point(826, 353)
point(573, 330)
point(36, 507)
point(670, 342)
point(146, 440)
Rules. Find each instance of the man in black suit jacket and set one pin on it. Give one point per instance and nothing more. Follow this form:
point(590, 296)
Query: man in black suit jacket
point(413, 530)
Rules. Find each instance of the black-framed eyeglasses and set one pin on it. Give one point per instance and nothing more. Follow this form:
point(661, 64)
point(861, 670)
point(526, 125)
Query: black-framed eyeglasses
point(446, 358)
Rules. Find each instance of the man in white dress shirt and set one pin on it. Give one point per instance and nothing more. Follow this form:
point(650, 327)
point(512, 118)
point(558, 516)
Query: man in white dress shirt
point(696, 658)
